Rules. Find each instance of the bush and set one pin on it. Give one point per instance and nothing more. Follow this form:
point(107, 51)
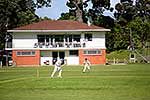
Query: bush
point(121, 54)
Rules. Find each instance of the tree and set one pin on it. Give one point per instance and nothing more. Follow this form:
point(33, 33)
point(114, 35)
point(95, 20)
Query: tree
point(67, 16)
point(143, 9)
point(140, 31)
point(135, 17)
point(18, 12)
point(118, 38)
point(96, 13)
point(127, 11)
point(15, 13)
point(12, 11)
point(77, 9)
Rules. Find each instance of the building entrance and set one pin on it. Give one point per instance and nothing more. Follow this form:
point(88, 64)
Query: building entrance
point(57, 55)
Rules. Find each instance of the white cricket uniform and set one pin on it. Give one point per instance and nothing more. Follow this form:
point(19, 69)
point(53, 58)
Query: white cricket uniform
point(86, 65)
point(58, 68)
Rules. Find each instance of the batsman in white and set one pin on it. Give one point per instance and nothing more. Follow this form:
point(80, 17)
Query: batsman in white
point(58, 67)
point(87, 65)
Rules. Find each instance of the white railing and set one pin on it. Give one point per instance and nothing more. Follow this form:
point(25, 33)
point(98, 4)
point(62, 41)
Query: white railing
point(59, 45)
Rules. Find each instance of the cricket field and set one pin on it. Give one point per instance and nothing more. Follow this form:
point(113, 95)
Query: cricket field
point(103, 82)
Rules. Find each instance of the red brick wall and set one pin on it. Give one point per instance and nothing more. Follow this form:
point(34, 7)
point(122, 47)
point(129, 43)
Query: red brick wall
point(94, 59)
point(26, 60)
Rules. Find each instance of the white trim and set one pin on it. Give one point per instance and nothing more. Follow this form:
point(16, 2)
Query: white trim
point(57, 48)
point(80, 30)
point(8, 48)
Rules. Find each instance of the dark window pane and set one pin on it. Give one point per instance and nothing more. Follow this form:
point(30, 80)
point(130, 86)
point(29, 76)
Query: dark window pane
point(73, 52)
point(88, 37)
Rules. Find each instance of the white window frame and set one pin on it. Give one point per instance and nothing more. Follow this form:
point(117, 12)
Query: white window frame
point(89, 52)
point(25, 53)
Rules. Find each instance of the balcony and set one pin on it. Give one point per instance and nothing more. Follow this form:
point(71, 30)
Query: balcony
point(60, 45)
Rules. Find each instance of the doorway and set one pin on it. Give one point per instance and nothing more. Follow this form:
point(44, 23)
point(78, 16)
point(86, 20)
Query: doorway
point(57, 55)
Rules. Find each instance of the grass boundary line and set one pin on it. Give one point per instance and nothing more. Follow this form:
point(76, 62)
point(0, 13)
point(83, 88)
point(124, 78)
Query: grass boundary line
point(16, 79)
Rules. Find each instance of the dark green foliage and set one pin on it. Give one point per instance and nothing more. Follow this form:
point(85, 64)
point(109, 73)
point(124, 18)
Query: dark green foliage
point(78, 10)
point(68, 16)
point(15, 13)
point(132, 25)
point(120, 54)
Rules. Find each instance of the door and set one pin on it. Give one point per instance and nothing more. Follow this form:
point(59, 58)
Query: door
point(57, 55)
point(61, 55)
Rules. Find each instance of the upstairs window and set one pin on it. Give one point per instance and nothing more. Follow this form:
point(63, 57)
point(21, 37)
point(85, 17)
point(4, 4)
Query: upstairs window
point(44, 38)
point(59, 38)
point(71, 38)
point(41, 38)
point(88, 37)
point(76, 38)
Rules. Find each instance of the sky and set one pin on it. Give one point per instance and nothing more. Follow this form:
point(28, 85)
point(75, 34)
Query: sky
point(59, 6)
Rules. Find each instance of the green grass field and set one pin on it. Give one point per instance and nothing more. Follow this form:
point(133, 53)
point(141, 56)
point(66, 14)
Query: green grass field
point(114, 82)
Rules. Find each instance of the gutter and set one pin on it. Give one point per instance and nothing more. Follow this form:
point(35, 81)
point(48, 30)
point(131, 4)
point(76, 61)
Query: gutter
point(81, 30)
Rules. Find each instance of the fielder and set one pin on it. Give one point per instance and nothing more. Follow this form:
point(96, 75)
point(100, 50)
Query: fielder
point(87, 65)
point(58, 67)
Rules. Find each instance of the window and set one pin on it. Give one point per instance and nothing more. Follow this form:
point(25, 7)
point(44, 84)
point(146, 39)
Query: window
point(76, 38)
point(44, 38)
point(48, 38)
point(25, 53)
point(92, 52)
point(68, 38)
point(41, 38)
point(73, 52)
point(88, 37)
point(59, 38)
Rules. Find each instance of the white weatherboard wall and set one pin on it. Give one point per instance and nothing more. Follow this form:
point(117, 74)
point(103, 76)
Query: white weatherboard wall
point(98, 41)
point(24, 40)
point(27, 40)
point(71, 60)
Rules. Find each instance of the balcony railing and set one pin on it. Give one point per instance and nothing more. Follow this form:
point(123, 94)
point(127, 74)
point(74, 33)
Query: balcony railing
point(59, 45)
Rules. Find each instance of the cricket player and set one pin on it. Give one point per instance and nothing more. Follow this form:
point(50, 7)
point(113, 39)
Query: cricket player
point(58, 67)
point(87, 65)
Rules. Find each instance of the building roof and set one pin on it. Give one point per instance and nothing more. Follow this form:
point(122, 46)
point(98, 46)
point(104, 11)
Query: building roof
point(58, 25)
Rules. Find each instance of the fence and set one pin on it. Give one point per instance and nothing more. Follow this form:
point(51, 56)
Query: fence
point(117, 61)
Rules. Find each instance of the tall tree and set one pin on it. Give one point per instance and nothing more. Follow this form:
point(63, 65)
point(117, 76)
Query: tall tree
point(78, 10)
point(134, 17)
point(18, 12)
point(77, 6)
point(12, 11)
point(96, 13)
point(140, 31)
point(125, 11)
point(143, 9)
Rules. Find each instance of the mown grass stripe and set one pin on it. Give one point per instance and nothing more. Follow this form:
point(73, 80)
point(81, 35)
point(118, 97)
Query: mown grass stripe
point(16, 79)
